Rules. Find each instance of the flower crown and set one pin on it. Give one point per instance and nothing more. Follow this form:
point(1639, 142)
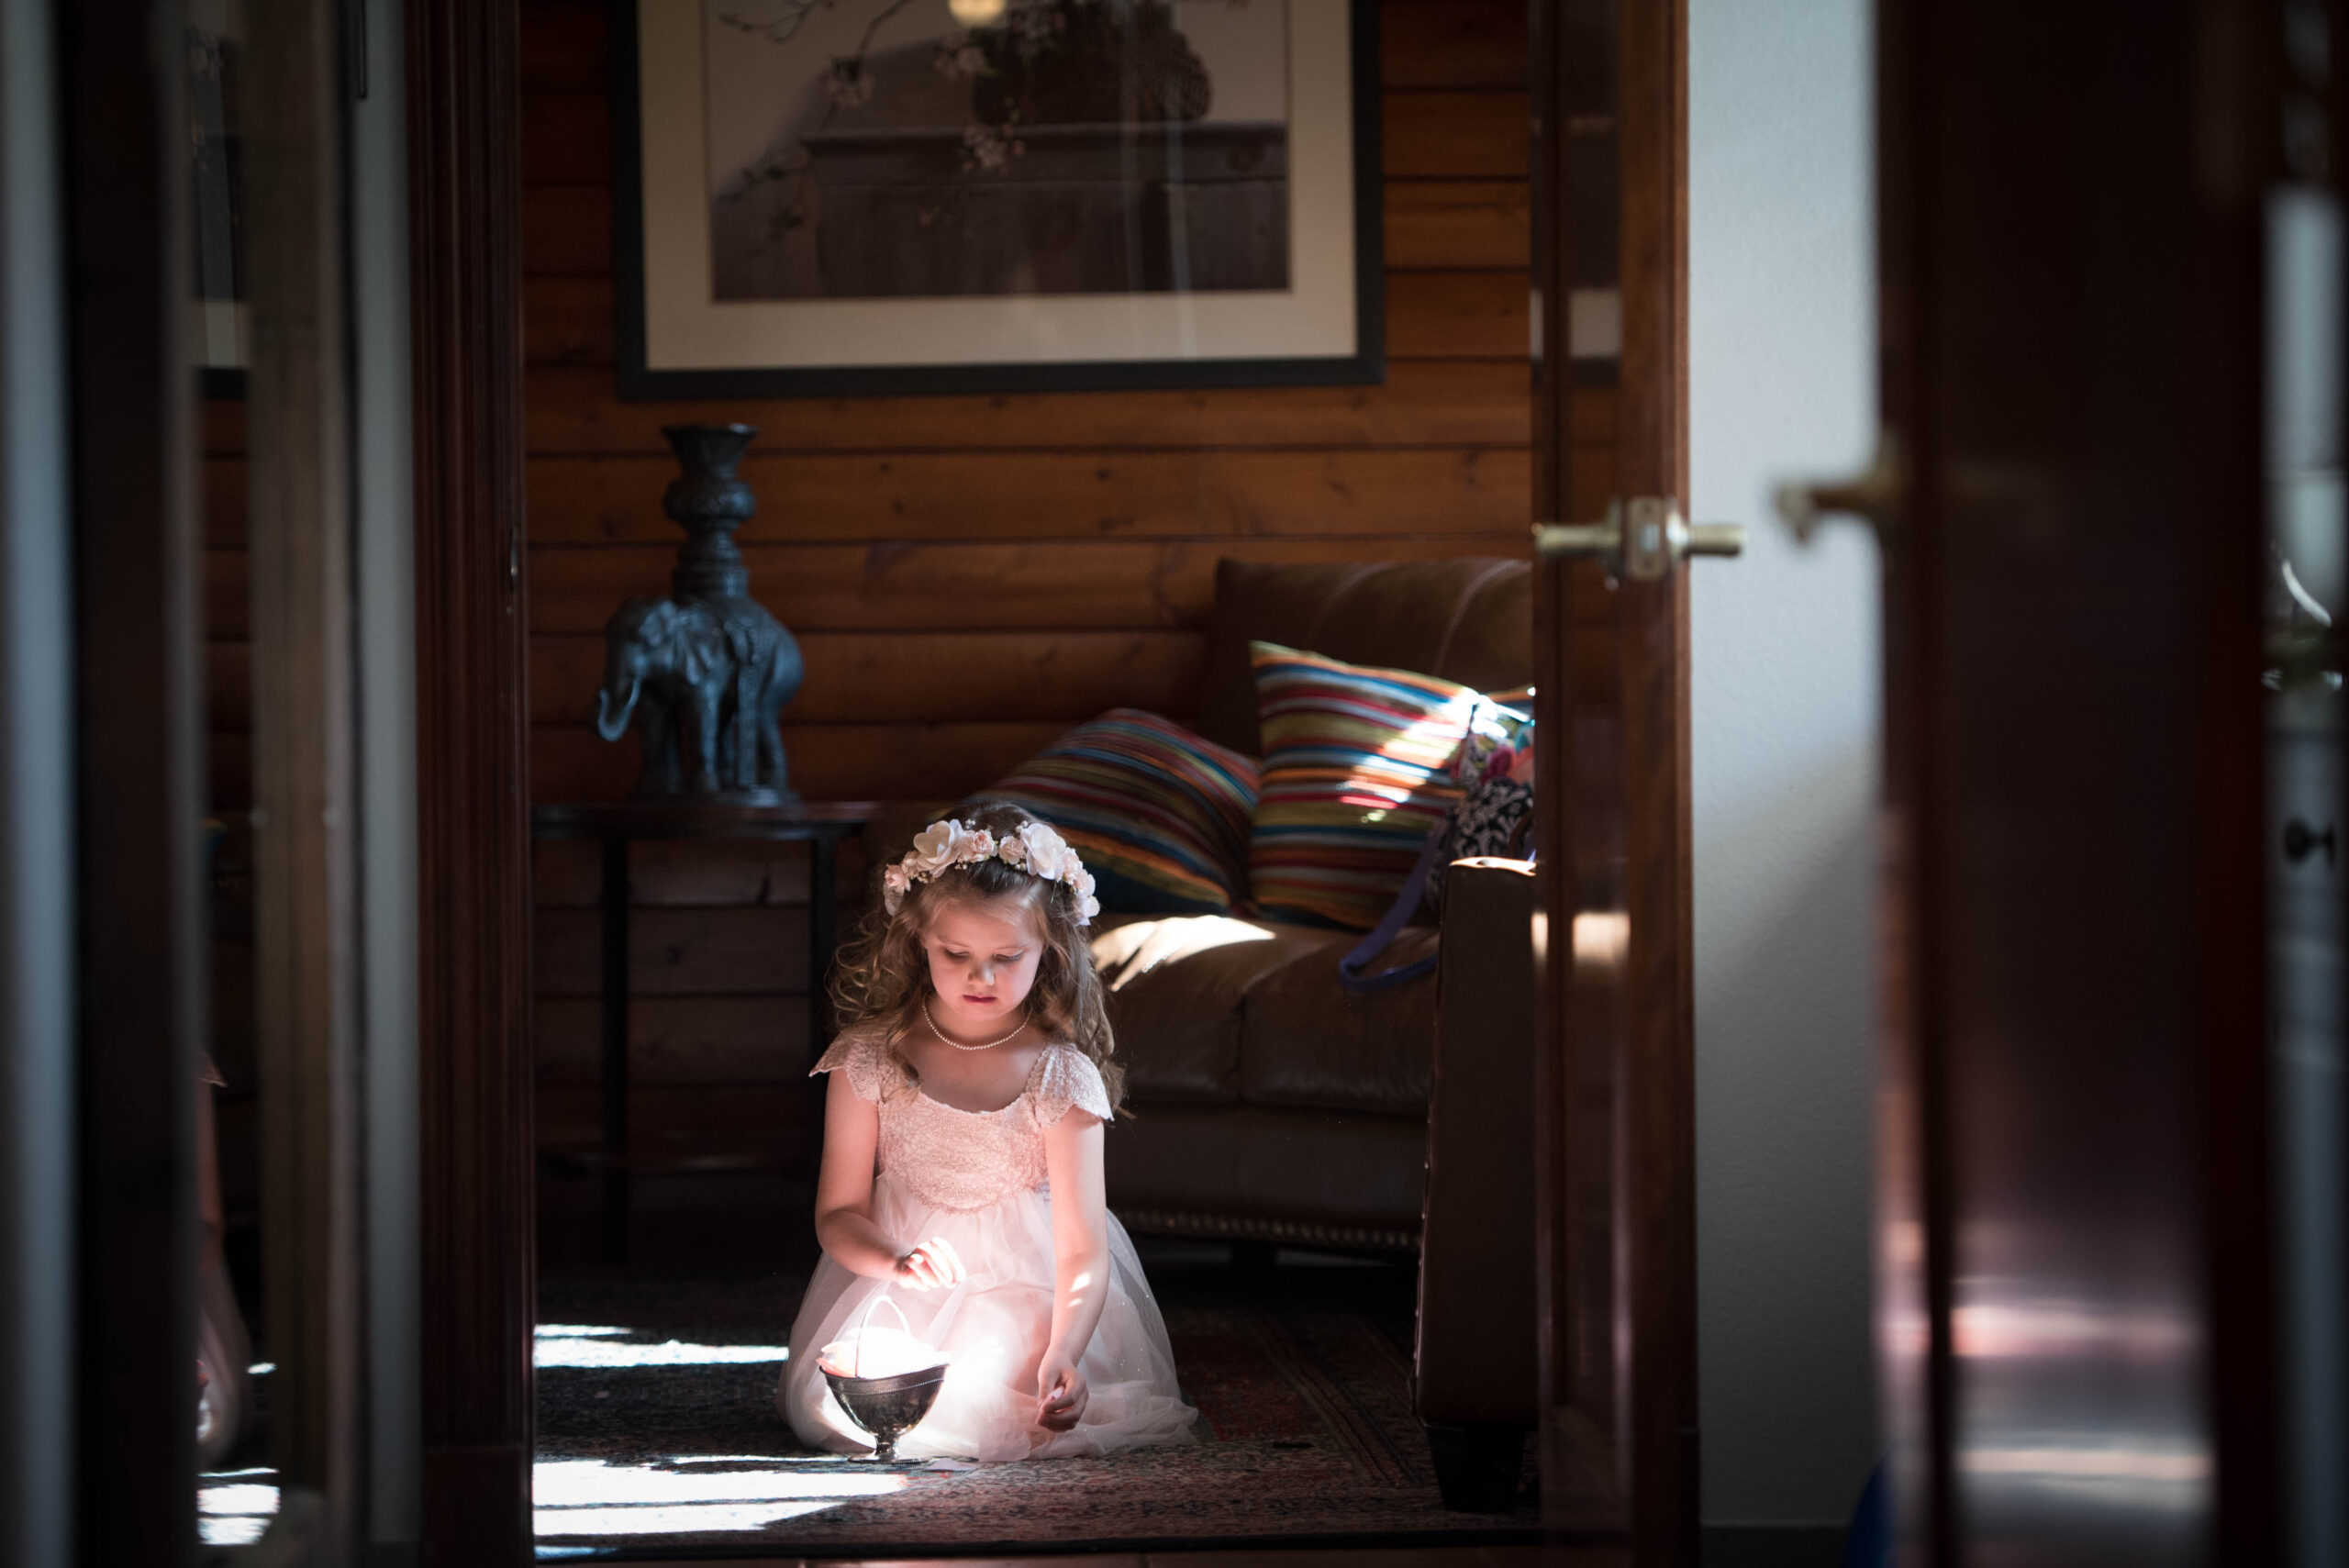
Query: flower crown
point(1035, 849)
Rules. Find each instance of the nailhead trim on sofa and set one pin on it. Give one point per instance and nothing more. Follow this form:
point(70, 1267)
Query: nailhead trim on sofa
point(1241, 1227)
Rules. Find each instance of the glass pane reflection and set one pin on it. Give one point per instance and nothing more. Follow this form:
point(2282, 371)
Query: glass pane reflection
point(2307, 596)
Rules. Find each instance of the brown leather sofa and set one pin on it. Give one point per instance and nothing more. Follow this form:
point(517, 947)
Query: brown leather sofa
point(1271, 1104)
point(1469, 1156)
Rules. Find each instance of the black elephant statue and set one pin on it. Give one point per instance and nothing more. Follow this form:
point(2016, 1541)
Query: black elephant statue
point(705, 679)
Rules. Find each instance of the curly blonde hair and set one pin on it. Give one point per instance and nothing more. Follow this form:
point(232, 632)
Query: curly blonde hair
point(882, 977)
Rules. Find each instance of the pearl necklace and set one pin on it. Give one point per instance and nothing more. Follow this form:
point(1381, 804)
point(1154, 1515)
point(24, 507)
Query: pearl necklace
point(957, 1044)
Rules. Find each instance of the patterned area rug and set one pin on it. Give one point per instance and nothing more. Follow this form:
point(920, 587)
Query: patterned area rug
point(657, 1432)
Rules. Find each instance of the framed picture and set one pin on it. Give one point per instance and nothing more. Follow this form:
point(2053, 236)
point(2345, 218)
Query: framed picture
point(853, 197)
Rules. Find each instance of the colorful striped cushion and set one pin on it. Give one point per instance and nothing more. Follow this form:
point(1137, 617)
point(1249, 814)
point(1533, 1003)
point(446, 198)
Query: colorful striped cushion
point(1159, 814)
point(1357, 774)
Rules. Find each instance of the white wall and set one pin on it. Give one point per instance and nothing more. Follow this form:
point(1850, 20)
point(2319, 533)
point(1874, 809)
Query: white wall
point(1785, 708)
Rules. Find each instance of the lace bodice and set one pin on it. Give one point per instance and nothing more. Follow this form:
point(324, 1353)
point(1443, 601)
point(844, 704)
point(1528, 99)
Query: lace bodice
point(966, 1160)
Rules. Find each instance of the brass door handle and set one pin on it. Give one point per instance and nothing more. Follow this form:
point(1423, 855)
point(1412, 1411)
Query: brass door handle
point(1875, 496)
point(1642, 538)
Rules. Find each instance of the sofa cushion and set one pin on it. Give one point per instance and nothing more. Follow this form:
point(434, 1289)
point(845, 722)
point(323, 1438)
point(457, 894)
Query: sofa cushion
point(1468, 620)
point(1176, 987)
point(1357, 773)
point(1296, 1171)
point(1307, 1043)
point(1159, 816)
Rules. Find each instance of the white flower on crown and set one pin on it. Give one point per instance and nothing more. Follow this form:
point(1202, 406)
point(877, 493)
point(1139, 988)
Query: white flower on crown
point(1048, 854)
point(1080, 881)
point(943, 844)
point(1035, 849)
point(933, 850)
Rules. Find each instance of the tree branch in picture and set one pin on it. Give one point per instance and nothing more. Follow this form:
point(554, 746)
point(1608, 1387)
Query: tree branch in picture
point(780, 29)
point(849, 85)
point(1039, 63)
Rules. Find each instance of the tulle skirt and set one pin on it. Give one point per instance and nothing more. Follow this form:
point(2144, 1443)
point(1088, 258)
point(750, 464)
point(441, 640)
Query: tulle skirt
point(993, 1328)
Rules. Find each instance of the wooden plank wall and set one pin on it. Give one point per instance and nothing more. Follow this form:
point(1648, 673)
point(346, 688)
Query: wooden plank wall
point(967, 576)
point(221, 431)
point(220, 434)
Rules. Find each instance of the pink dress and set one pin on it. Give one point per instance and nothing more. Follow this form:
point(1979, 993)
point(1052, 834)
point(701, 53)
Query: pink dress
point(977, 1178)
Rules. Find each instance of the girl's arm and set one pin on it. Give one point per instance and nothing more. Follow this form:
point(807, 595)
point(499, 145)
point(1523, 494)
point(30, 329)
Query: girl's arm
point(1081, 1263)
point(844, 1200)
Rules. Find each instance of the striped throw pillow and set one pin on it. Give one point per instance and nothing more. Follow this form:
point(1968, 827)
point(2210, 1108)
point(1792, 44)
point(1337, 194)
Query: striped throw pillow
point(1159, 814)
point(1357, 774)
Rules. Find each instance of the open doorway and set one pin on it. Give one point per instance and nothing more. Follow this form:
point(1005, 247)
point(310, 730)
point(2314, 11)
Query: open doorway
point(969, 579)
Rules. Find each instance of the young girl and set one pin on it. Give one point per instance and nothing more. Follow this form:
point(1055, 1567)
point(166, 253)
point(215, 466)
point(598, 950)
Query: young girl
point(961, 1170)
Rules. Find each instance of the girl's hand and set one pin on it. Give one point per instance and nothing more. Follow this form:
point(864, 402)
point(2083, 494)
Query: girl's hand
point(932, 1265)
point(1061, 1394)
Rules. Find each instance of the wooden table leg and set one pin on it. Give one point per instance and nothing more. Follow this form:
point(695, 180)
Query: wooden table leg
point(612, 1243)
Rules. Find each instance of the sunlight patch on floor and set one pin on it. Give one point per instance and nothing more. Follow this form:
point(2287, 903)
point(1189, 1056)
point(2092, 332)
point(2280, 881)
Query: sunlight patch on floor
point(232, 1510)
point(589, 1497)
point(582, 1352)
point(671, 1520)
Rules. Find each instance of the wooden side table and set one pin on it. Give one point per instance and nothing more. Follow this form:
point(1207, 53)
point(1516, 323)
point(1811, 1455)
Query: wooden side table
point(820, 823)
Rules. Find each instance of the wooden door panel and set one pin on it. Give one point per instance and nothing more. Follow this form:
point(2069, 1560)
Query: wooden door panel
point(474, 961)
point(2075, 1246)
point(1616, 1157)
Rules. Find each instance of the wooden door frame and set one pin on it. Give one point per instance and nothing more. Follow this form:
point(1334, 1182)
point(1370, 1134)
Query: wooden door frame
point(476, 1256)
point(1660, 1031)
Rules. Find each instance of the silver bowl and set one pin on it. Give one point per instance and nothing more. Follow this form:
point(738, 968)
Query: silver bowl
point(888, 1407)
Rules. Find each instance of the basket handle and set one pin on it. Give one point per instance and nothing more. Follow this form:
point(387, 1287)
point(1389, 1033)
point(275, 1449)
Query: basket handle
point(883, 1298)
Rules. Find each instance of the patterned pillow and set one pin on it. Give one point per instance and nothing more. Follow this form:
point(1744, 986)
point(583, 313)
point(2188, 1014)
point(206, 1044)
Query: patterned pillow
point(1159, 814)
point(1357, 775)
point(1496, 816)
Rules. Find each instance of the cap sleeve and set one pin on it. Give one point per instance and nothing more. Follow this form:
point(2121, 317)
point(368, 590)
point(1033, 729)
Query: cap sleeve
point(863, 1056)
point(1067, 1077)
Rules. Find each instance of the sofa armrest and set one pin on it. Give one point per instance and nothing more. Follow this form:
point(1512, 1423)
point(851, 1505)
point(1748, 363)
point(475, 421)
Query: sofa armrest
point(1476, 1358)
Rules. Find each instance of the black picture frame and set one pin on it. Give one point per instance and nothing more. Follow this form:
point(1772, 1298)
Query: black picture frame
point(638, 382)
